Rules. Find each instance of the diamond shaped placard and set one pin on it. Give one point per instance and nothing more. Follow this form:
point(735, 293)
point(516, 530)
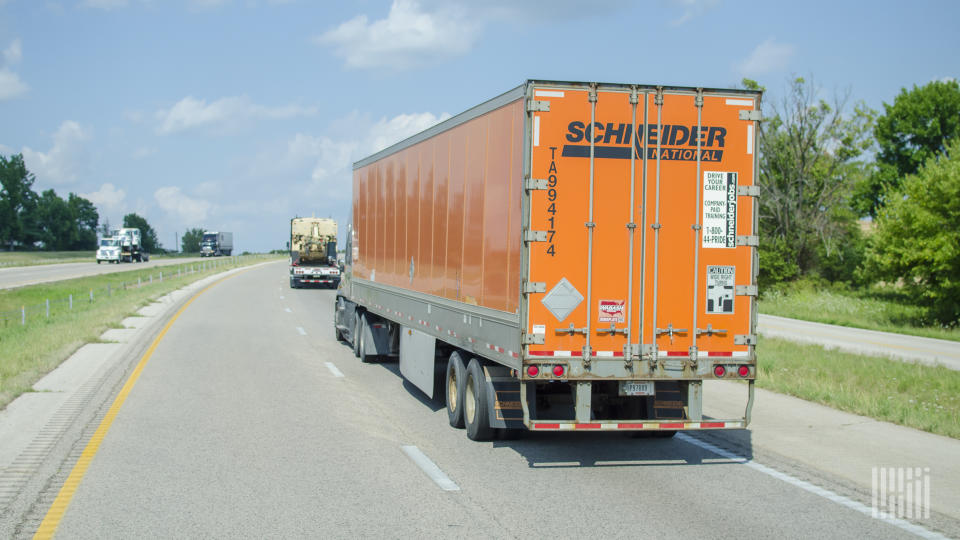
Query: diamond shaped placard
point(562, 299)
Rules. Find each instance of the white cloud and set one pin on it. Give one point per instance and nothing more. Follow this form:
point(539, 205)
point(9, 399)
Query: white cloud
point(766, 57)
point(10, 85)
point(107, 197)
point(188, 210)
point(224, 114)
point(692, 9)
point(387, 132)
point(104, 4)
point(64, 160)
point(409, 36)
point(14, 53)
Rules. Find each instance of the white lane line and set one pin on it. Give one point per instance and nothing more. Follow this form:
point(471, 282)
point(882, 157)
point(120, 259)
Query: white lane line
point(287, 310)
point(429, 467)
point(282, 297)
point(301, 330)
point(816, 490)
point(333, 369)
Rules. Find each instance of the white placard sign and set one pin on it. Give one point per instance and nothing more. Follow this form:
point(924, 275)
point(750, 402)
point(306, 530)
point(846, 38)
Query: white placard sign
point(719, 209)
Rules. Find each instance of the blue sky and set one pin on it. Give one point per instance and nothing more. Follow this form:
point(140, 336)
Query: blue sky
point(239, 114)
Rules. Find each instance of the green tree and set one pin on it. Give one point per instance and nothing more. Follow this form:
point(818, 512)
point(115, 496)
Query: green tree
point(190, 243)
point(86, 217)
point(17, 202)
point(917, 242)
point(810, 159)
point(58, 224)
point(148, 236)
point(917, 127)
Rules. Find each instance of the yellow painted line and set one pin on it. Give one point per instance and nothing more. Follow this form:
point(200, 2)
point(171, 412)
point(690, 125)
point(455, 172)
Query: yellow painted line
point(59, 507)
point(856, 340)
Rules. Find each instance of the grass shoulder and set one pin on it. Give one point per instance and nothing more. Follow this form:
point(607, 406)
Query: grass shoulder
point(910, 394)
point(882, 309)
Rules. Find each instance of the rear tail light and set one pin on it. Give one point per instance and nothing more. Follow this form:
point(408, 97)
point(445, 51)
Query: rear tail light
point(533, 371)
point(743, 371)
point(719, 371)
point(558, 371)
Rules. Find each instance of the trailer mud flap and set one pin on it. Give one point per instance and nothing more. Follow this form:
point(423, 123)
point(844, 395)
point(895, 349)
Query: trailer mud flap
point(503, 391)
point(377, 335)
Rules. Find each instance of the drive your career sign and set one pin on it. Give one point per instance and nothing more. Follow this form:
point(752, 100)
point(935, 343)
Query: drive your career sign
point(719, 209)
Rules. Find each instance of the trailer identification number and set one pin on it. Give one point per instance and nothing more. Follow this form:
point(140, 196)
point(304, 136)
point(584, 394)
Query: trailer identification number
point(721, 281)
point(719, 209)
point(552, 202)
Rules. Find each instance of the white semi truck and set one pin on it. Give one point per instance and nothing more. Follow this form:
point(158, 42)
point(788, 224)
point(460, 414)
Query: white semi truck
point(131, 248)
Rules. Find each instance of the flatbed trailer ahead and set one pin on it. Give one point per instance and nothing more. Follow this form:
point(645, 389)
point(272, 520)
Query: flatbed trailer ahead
point(564, 256)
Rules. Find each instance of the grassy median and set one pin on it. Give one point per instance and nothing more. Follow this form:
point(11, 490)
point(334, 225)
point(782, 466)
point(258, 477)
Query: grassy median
point(886, 310)
point(906, 393)
point(30, 351)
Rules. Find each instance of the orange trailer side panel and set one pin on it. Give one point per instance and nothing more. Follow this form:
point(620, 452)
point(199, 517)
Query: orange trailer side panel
point(442, 217)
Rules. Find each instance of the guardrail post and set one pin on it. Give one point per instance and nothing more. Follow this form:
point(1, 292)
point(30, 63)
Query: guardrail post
point(71, 302)
point(23, 315)
point(91, 295)
point(151, 278)
point(138, 282)
point(161, 277)
point(48, 308)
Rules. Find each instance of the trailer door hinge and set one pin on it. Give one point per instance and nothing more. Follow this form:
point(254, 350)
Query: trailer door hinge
point(534, 184)
point(748, 191)
point(751, 114)
point(535, 105)
point(750, 240)
point(534, 287)
point(533, 339)
point(745, 339)
point(534, 236)
point(746, 290)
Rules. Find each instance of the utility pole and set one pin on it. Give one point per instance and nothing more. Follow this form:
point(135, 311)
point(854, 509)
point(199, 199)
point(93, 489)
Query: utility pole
point(176, 240)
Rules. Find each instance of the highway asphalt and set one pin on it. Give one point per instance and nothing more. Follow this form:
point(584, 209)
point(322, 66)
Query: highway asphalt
point(249, 420)
point(20, 276)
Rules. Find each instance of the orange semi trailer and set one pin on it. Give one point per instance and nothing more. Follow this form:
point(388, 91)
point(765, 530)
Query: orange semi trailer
point(564, 256)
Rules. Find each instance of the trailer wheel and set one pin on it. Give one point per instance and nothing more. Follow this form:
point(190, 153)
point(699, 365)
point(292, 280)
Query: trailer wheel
point(364, 357)
point(456, 377)
point(476, 413)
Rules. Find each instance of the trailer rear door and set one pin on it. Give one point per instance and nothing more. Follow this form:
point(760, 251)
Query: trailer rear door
point(649, 223)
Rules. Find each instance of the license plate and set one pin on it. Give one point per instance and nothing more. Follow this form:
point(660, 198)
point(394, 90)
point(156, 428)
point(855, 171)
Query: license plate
point(636, 388)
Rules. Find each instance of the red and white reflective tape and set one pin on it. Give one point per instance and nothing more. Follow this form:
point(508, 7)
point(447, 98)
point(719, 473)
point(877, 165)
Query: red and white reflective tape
point(497, 348)
point(513, 354)
point(646, 426)
point(608, 354)
point(563, 354)
point(705, 354)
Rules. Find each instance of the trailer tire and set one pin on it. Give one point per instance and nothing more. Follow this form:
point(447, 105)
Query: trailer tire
point(476, 410)
point(364, 357)
point(455, 379)
point(356, 335)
